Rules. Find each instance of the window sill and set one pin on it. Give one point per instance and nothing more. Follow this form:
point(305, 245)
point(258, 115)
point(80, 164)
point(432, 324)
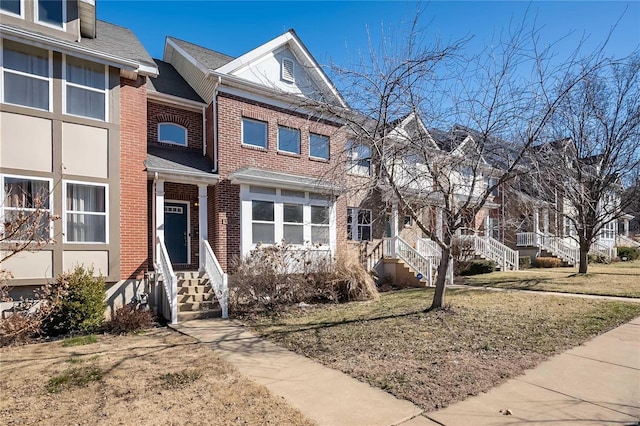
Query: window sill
point(319, 160)
point(288, 154)
point(253, 147)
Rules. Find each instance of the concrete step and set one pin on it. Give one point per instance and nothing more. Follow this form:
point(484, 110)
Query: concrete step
point(189, 275)
point(197, 306)
point(192, 315)
point(195, 289)
point(200, 297)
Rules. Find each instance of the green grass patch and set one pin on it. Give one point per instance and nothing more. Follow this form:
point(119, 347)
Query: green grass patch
point(438, 357)
point(180, 379)
point(74, 377)
point(80, 341)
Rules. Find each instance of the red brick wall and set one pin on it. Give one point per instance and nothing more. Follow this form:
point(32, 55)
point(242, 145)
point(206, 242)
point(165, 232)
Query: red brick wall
point(224, 233)
point(133, 178)
point(191, 120)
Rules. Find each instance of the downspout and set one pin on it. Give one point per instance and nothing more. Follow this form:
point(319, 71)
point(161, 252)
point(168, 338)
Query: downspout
point(215, 123)
point(156, 289)
point(204, 131)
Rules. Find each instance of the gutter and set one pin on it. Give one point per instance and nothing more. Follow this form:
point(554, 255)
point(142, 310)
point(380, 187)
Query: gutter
point(49, 43)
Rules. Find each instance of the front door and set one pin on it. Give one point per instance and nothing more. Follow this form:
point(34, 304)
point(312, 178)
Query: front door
point(176, 231)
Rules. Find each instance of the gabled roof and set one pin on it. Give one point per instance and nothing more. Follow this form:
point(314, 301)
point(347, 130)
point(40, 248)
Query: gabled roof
point(169, 82)
point(443, 139)
point(210, 59)
point(412, 127)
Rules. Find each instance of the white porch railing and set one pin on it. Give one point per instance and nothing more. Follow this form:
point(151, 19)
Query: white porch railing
point(429, 248)
point(627, 242)
point(169, 283)
point(492, 249)
point(397, 247)
point(218, 279)
point(551, 243)
point(608, 251)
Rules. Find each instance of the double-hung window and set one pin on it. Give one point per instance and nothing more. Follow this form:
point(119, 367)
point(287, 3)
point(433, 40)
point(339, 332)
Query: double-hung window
point(172, 133)
point(26, 76)
point(263, 222)
point(318, 146)
point(51, 12)
point(358, 224)
point(12, 7)
point(293, 223)
point(254, 133)
point(86, 89)
point(25, 209)
point(320, 224)
point(358, 158)
point(85, 212)
point(288, 140)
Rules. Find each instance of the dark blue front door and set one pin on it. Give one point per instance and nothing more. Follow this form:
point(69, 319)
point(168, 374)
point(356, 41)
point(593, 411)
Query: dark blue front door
point(175, 231)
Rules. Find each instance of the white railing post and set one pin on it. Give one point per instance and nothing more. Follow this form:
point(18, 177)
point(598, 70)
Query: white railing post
point(217, 277)
point(169, 279)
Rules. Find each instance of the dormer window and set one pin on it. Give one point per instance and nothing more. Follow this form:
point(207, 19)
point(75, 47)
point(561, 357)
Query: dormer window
point(287, 70)
point(11, 7)
point(51, 12)
point(172, 133)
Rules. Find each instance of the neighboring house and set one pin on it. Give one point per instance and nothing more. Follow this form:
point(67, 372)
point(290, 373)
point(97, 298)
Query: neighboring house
point(73, 113)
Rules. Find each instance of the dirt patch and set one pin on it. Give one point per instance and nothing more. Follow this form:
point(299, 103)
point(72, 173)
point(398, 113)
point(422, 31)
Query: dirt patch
point(157, 378)
point(436, 358)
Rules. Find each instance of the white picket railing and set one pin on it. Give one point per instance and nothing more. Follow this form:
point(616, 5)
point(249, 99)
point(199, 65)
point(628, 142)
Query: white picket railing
point(556, 245)
point(608, 251)
point(397, 247)
point(169, 282)
point(526, 239)
point(429, 248)
point(217, 278)
point(494, 250)
point(627, 242)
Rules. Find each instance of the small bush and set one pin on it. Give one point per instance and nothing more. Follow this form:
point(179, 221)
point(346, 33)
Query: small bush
point(596, 258)
point(548, 262)
point(524, 262)
point(81, 376)
point(128, 319)
point(82, 307)
point(628, 253)
point(476, 267)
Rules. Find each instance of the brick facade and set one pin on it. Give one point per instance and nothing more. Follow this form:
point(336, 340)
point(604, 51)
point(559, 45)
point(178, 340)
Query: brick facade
point(133, 178)
point(161, 113)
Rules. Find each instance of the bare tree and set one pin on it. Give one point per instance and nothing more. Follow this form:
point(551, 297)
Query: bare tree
point(502, 98)
point(597, 153)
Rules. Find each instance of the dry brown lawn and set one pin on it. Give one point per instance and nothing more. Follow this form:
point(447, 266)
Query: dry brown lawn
point(439, 357)
point(157, 378)
point(616, 279)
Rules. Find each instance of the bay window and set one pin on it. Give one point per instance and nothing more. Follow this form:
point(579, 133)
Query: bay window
point(85, 212)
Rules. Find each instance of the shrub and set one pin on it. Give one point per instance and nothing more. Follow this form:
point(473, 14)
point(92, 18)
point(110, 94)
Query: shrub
point(279, 275)
point(524, 262)
point(476, 267)
point(129, 318)
point(82, 307)
point(596, 258)
point(548, 262)
point(628, 253)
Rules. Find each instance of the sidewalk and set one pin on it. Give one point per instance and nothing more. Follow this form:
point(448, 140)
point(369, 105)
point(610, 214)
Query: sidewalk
point(595, 383)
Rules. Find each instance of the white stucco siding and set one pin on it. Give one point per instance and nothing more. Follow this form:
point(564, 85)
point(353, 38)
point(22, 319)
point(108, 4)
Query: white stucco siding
point(85, 150)
point(25, 142)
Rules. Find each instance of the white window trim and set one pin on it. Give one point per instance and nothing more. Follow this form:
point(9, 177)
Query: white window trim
point(46, 24)
point(2, 197)
point(352, 163)
point(266, 137)
point(92, 89)
point(246, 237)
point(299, 140)
point(49, 79)
point(65, 211)
point(21, 15)
point(186, 134)
point(292, 77)
point(354, 224)
point(186, 203)
point(328, 147)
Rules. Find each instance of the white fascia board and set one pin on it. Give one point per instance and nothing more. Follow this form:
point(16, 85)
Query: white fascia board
point(275, 182)
point(76, 50)
point(301, 53)
point(176, 100)
point(186, 55)
point(191, 178)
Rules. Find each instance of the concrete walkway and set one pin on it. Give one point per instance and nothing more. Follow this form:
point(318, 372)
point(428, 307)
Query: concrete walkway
point(595, 383)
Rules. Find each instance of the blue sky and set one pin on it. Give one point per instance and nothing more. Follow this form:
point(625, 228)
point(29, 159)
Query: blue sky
point(336, 31)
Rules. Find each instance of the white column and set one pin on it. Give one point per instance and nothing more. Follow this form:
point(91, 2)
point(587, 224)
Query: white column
point(487, 225)
point(545, 220)
point(394, 227)
point(159, 213)
point(536, 226)
point(202, 222)
point(625, 227)
point(439, 232)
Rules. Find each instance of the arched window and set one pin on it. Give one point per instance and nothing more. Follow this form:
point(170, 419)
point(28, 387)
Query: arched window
point(172, 133)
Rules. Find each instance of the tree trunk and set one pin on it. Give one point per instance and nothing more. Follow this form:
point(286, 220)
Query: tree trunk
point(438, 296)
point(584, 260)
